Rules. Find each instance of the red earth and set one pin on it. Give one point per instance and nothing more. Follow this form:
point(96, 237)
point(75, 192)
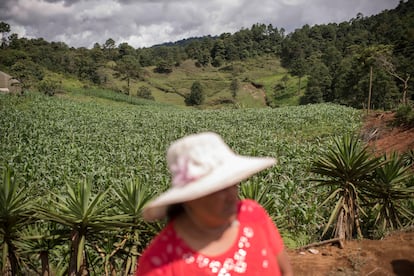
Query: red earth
point(392, 255)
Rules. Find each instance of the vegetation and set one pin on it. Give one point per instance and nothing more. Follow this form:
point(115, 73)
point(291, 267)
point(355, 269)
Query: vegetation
point(389, 190)
point(112, 150)
point(15, 213)
point(404, 116)
point(145, 92)
point(196, 96)
point(364, 63)
point(96, 153)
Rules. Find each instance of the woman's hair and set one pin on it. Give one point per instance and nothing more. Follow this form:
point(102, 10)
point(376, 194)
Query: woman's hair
point(174, 211)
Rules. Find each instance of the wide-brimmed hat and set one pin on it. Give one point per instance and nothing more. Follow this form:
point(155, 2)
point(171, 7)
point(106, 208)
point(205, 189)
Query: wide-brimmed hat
point(202, 164)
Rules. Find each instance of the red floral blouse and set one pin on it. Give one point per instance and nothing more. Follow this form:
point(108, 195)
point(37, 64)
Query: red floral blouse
point(254, 252)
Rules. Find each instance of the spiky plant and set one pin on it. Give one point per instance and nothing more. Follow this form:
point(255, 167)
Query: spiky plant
point(132, 198)
point(390, 191)
point(86, 215)
point(254, 189)
point(346, 167)
point(15, 213)
point(40, 238)
point(408, 157)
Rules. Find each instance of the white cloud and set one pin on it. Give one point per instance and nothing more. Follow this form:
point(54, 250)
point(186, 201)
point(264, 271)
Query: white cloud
point(100, 10)
point(144, 23)
point(295, 2)
point(23, 10)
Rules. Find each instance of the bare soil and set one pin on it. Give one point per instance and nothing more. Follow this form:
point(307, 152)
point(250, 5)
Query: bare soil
point(385, 138)
point(392, 255)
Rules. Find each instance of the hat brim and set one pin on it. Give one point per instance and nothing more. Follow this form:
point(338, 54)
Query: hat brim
point(228, 174)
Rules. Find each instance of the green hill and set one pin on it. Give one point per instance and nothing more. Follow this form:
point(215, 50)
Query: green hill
point(257, 79)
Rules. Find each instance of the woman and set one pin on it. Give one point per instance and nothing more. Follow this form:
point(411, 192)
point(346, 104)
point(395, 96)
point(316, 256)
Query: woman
point(210, 231)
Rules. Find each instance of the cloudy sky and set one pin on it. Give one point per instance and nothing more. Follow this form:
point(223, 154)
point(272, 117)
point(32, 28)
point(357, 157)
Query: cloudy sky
point(143, 23)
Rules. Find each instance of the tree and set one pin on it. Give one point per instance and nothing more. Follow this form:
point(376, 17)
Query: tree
point(48, 87)
point(384, 59)
point(97, 54)
point(298, 68)
point(279, 91)
point(85, 67)
point(203, 59)
point(4, 30)
point(234, 87)
point(218, 53)
point(366, 58)
point(125, 49)
point(109, 49)
point(319, 84)
point(127, 69)
point(196, 96)
point(164, 67)
point(27, 73)
point(231, 51)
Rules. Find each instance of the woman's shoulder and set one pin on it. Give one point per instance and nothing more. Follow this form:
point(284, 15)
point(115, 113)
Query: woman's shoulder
point(162, 250)
point(250, 208)
point(161, 241)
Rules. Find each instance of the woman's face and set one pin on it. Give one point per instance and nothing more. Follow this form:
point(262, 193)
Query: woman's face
point(217, 208)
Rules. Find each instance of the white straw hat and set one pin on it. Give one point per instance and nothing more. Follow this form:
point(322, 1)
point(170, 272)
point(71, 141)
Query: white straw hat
point(202, 164)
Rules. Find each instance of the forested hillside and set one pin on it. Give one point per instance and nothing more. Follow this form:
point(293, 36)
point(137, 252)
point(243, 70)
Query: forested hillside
point(339, 63)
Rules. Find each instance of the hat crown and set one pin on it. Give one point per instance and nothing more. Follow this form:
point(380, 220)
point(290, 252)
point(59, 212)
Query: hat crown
point(194, 156)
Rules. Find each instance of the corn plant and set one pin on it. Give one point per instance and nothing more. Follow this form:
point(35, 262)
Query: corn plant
point(56, 142)
point(347, 167)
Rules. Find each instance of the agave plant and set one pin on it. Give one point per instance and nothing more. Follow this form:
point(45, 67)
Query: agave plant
point(132, 198)
point(347, 167)
point(15, 212)
point(389, 191)
point(254, 189)
point(85, 214)
point(408, 157)
point(40, 238)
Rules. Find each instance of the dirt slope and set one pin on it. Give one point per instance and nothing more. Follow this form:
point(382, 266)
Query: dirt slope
point(384, 138)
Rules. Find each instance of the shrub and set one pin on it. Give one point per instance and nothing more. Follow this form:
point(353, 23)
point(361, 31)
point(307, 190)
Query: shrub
point(196, 96)
point(48, 87)
point(404, 116)
point(145, 93)
point(163, 67)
